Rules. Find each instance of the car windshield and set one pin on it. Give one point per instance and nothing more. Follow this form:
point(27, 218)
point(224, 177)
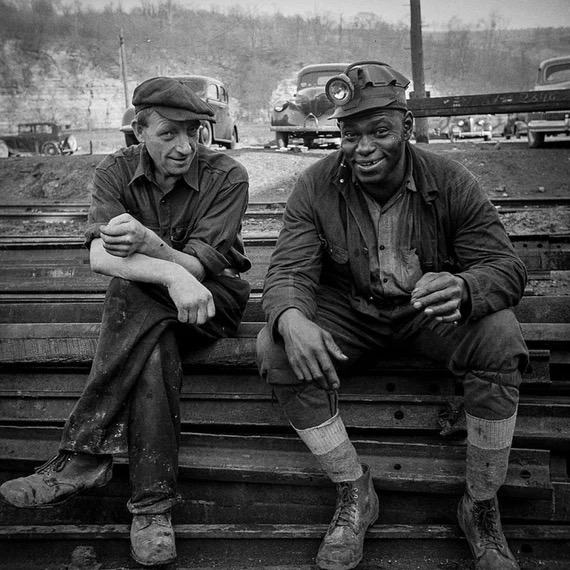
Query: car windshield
point(317, 78)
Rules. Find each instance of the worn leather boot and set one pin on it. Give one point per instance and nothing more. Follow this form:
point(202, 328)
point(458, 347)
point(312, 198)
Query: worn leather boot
point(481, 523)
point(152, 539)
point(59, 479)
point(356, 510)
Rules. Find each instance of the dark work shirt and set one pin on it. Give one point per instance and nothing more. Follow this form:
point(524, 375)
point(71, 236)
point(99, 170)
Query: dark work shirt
point(201, 215)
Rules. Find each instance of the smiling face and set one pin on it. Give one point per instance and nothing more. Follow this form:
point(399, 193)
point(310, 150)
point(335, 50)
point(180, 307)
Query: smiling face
point(171, 144)
point(374, 146)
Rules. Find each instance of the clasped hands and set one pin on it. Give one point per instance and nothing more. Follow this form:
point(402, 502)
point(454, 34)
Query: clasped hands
point(311, 350)
point(124, 236)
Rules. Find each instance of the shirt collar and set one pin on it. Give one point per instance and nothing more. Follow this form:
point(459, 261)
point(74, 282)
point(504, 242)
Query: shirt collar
point(144, 168)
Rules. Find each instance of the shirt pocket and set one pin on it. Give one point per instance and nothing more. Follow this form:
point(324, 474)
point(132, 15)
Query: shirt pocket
point(337, 253)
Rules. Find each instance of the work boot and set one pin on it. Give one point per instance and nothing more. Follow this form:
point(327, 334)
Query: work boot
point(152, 539)
point(481, 523)
point(356, 510)
point(59, 479)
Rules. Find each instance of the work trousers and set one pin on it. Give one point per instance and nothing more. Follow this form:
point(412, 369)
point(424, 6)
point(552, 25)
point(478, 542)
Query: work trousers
point(131, 401)
point(488, 354)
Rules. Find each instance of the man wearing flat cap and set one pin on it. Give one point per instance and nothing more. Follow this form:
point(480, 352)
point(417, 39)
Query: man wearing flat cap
point(386, 245)
point(165, 223)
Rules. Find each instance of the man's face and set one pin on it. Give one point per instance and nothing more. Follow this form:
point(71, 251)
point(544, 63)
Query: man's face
point(374, 146)
point(171, 144)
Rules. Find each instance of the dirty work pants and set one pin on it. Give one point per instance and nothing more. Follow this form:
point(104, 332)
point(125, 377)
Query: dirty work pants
point(132, 397)
point(489, 354)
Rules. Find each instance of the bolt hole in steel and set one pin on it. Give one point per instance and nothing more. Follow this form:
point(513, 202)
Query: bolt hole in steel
point(399, 415)
point(525, 474)
point(397, 467)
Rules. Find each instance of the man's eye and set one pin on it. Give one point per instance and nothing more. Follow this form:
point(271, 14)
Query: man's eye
point(349, 135)
point(192, 132)
point(380, 132)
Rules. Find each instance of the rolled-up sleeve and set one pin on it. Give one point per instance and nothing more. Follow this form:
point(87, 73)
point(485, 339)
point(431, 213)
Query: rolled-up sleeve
point(105, 201)
point(214, 239)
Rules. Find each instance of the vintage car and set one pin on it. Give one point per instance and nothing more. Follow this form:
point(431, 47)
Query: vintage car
point(469, 127)
point(553, 73)
point(306, 115)
point(39, 138)
point(222, 131)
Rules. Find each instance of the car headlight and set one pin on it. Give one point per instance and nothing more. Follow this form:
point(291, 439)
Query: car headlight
point(339, 90)
point(280, 106)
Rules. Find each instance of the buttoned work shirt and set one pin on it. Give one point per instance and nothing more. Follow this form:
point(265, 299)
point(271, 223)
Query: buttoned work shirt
point(395, 268)
point(201, 215)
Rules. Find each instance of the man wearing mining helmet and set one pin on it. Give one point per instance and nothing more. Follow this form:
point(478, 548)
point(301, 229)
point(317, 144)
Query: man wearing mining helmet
point(387, 245)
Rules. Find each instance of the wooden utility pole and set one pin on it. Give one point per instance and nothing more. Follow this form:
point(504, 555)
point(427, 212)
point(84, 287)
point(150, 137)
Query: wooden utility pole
point(123, 67)
point(421, 124)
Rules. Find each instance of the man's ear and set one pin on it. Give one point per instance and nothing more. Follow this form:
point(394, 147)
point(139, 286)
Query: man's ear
point(408, 123)
point(138, 130)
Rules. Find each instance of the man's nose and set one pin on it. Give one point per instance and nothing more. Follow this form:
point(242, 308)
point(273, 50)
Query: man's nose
point(183, 144)
point(365, 144)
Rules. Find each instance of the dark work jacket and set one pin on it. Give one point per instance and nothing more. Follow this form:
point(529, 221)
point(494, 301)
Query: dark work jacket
point(328, 236)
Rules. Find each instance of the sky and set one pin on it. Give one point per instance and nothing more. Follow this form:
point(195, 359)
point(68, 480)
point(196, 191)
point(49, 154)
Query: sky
point(511, 14)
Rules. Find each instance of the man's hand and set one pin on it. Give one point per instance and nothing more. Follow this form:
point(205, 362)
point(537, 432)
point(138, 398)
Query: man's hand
point(194, 302)
point(440, 295)
point(123, 236)
point(309, 349)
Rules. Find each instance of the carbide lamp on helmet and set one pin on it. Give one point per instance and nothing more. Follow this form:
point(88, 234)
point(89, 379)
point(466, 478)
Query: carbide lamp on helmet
point(365, 86)
point(339, 89)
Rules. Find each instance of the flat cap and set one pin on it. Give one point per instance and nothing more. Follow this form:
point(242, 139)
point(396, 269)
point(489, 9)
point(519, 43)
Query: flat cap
point(172, 99)
point(374, 85)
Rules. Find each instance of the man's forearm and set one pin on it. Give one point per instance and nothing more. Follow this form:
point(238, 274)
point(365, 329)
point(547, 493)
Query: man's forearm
point(156, 248)
point(135, 267)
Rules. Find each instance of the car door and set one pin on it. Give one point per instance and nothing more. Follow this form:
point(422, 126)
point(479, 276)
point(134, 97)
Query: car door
point(217, 98)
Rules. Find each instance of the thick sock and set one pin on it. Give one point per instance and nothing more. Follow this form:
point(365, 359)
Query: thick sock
point(488, 449)
point(330, 444)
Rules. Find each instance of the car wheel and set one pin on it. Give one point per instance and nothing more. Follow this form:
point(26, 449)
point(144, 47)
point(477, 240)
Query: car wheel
point(309, 142)
point(50, 149)
point(206, 134)
point(282, 139)
point(535, 140)
point(4, 150)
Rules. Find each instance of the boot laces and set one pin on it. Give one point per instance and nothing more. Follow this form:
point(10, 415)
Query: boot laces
point(56, 464)
point(486, 518)
point(345, 514)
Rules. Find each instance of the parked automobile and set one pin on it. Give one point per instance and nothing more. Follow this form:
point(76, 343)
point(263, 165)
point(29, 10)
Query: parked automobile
point(222, 131)
point(515, 126)
point(39, 138)
point(553, 73)
point(306, 114)
point(468, 127)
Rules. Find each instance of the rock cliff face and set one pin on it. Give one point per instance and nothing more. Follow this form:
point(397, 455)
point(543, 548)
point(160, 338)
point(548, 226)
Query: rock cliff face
point(57, 85)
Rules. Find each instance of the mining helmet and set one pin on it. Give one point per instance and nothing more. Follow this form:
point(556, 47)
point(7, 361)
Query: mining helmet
point(364, 86)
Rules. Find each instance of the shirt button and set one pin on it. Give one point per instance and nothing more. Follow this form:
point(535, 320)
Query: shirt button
point(163, 201)
point(371, 299)
point(385, 280)
point(342, 179)
point(381, 248)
